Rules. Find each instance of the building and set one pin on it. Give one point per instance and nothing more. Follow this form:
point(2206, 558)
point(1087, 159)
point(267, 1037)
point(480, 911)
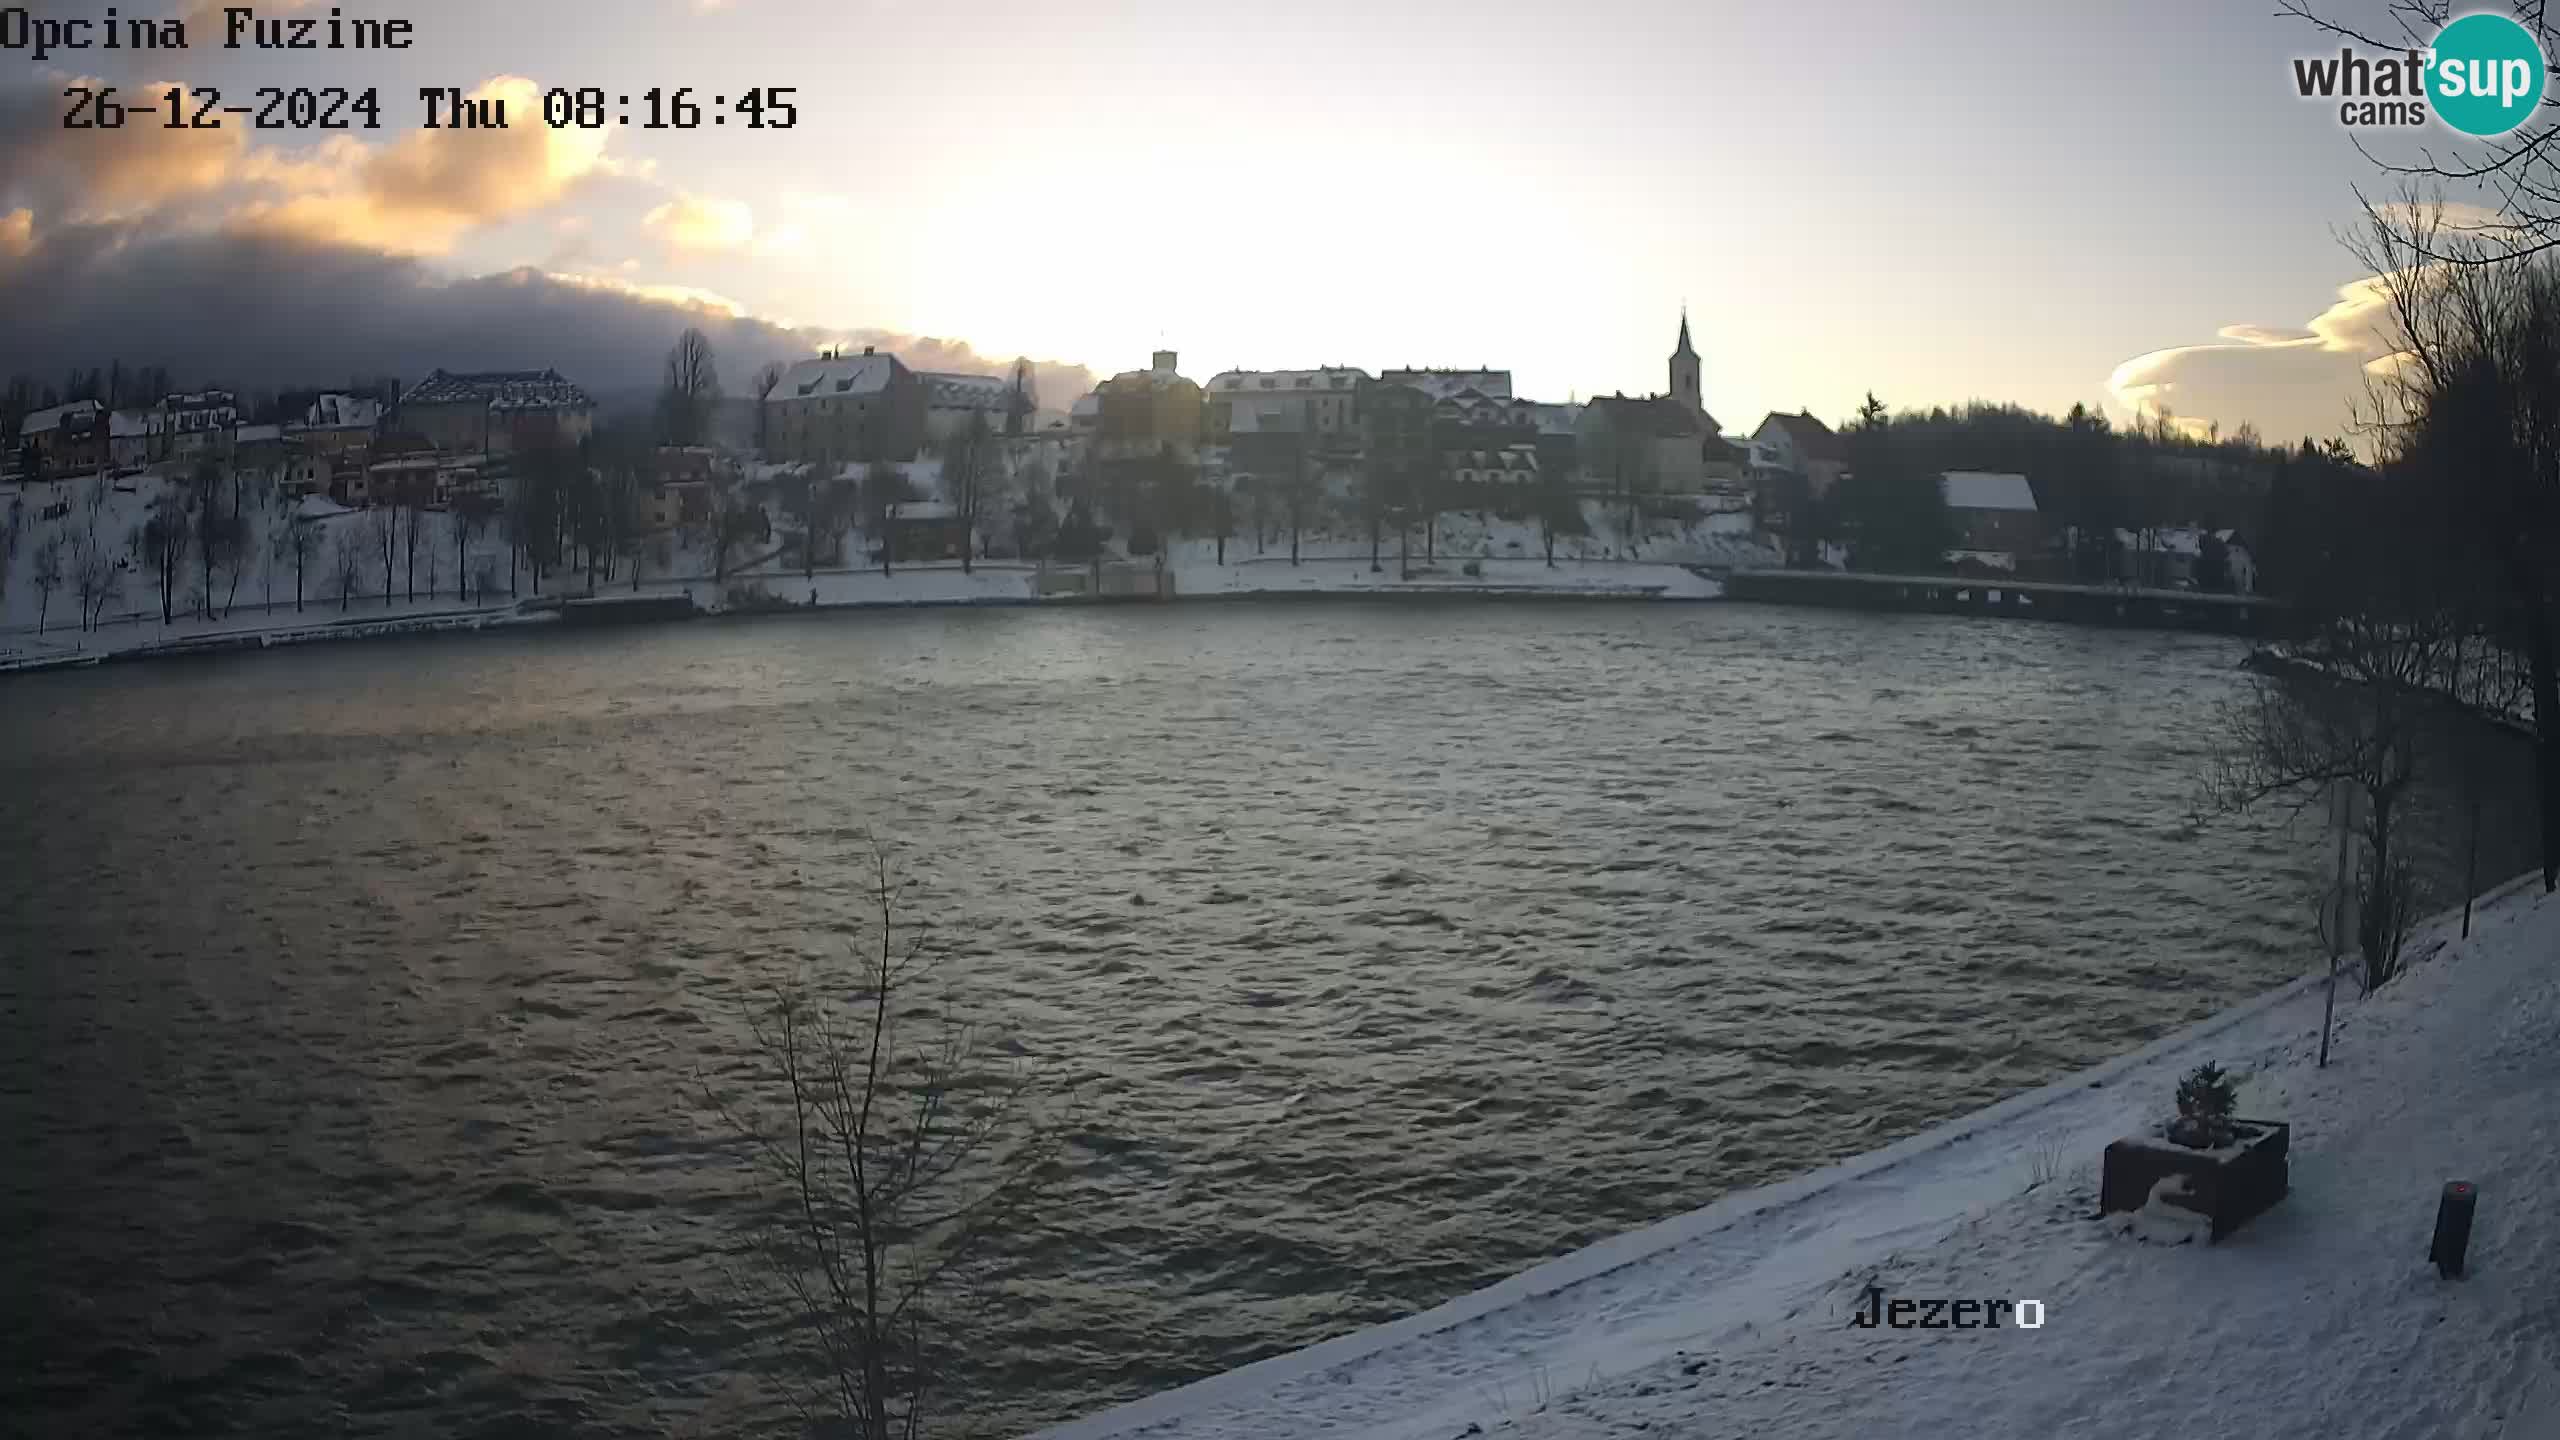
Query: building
point(1397, 428)
point(837, 408)
point(2171, 557)
point(1803, 446)
point(336, 424)
point(1684, 378)
point(1323, 404)
point(922, 530)
point(1508, 467)
point(1141, 413)
point(498, 412)
point(259, 447)
point(1649, 445)
point(952, 401)
point(1442, 384)
point(1994, 516)
point(66, 439)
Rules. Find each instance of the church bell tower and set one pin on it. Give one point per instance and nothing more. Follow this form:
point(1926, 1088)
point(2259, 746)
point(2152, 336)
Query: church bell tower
point(1684, 370)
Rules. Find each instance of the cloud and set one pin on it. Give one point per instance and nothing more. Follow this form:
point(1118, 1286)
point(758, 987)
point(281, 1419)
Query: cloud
point(2287, 383)
point(256, 308)
point(698, 224)
point(417, 194)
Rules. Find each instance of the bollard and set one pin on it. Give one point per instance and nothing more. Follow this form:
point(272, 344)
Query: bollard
point(2453, 1226)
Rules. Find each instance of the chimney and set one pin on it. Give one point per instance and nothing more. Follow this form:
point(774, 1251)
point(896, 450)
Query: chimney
point(1164, 362)
point(866, 349)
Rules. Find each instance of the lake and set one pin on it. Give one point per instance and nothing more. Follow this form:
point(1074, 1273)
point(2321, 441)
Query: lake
point(358, 999)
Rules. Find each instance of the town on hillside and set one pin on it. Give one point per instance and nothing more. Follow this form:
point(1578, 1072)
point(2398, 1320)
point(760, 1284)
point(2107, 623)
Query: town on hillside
point(129, 498)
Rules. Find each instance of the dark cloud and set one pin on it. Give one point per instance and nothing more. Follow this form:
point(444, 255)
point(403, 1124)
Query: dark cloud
point(258, 308)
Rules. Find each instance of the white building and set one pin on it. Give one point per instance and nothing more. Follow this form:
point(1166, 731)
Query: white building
point(951, 401)
point(1299, 402)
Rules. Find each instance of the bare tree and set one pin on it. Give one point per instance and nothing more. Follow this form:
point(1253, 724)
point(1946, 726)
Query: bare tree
point(969, 464)
point(2358, 725)
point(468, 520)
point(691, 391)
point(736, 521)
point(381, 534)
point(96, 579)
point(346, 565)
point(892, 1151)
point(47, 576)
point(1022, 398)
point(282, 509)
point(2472, 402)
point(767, 380)
point(164, 539)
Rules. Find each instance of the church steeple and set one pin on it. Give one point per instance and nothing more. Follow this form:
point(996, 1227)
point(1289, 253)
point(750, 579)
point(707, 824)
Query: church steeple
point(1684, 371)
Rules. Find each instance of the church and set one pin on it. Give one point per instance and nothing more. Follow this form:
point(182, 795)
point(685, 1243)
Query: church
point(1667, 444)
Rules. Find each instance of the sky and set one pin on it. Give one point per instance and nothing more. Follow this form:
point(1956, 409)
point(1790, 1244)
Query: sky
point(2116, 205)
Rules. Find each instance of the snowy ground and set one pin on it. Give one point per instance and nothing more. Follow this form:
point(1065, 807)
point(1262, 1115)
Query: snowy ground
point(2320, 1318)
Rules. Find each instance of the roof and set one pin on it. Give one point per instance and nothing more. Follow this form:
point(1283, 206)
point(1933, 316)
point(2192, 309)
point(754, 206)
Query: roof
point(966, 392)
point(1658, 415)
point(1813, 439)
point(257, 434)
point(1555, 419)
point(45, 422)
point(1984, 490)
point(864, 374)
point(1329, 377)
point(342, 412)
point(500, 390)
point(1441, 384)
point(923, 510)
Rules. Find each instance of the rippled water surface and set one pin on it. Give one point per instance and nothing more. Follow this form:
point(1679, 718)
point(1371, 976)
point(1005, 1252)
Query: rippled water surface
point(355, 999)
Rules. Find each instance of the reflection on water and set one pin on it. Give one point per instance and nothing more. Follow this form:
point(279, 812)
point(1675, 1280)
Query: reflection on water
point(356, 999)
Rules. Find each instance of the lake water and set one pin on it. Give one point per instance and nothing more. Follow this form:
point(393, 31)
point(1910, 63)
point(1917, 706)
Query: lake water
point(354, 1001)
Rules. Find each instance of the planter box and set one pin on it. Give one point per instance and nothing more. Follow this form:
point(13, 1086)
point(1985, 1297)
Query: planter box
point(2228, 1185)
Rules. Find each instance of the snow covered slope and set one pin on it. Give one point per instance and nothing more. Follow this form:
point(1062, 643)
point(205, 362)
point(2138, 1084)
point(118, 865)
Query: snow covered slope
point(2320, 1318)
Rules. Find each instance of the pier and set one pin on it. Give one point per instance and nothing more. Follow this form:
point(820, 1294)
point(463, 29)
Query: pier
point(2015, 599)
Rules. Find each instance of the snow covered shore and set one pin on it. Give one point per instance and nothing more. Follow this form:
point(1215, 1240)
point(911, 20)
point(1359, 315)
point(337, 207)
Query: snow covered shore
point(2320, 1318)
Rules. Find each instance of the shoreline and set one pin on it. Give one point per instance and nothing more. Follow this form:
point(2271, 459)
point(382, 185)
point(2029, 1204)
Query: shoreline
point(941, 586)
point(1746, 1266)
point(551, 609)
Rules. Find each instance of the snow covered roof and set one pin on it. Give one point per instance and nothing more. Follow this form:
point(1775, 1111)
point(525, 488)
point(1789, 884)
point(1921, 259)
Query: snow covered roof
point(343, 412)
point(319, 507)
point(1984, 490)
point(1331, 377)
point(1441, 384)
point(966, 392)
point(45, 422)
point(501, 390)
point(923, 510)
point(127, 424)
point(865, 374)
point(257, 434)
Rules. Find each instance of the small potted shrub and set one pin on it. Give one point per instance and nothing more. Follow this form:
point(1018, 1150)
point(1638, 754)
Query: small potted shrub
point(2205, 1099)
point(2226, 1168)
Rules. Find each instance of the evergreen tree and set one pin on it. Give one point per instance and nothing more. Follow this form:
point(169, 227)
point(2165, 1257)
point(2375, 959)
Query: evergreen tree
point(1890, 501)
